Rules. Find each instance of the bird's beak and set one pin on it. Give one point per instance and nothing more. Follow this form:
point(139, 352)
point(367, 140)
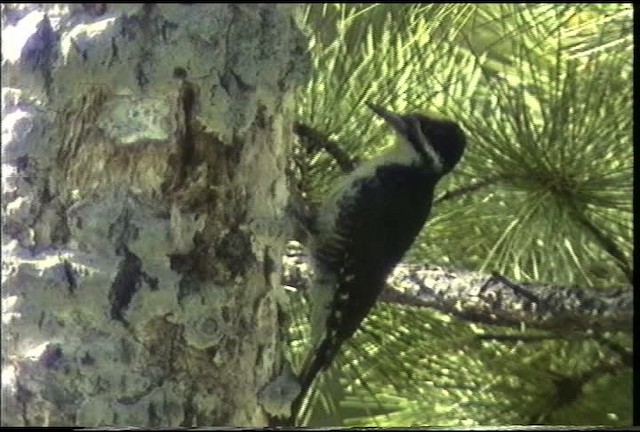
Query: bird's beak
point(393, 119)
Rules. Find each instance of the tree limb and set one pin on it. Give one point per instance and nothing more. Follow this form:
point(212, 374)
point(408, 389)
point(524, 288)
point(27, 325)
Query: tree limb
point(494, 300)
point(314, 139)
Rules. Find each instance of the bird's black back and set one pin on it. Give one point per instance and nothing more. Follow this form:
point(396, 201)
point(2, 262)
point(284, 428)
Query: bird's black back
point(376, 227)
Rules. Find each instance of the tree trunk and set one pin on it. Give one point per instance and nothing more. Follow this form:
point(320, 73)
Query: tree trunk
point(143, 199)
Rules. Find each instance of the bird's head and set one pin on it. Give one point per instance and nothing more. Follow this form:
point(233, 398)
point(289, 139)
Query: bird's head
point(440, 143)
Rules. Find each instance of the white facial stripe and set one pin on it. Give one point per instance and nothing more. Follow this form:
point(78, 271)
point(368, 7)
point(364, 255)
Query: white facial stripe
point(426, 145)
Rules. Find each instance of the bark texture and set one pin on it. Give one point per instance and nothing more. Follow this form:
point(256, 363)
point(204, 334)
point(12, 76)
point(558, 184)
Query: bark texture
point(143, 211)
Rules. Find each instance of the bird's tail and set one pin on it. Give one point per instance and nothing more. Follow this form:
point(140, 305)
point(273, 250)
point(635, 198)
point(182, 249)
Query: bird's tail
point(317, 361)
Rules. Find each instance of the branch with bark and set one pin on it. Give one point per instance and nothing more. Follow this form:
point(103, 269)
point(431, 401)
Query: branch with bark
point(313, 139)
point(491, 299)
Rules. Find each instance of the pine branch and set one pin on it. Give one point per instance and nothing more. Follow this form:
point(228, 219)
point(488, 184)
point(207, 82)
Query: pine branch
point(468, 189)
point(570, 388)
point(480, 298)
point(313, 139)
point(607, 244)
point(492, 299)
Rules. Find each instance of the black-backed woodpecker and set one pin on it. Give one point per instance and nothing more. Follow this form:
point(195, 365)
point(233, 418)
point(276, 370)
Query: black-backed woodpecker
point(369, 220)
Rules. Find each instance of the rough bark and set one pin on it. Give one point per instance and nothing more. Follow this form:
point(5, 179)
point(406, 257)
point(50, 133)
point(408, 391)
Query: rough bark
point(143, 203)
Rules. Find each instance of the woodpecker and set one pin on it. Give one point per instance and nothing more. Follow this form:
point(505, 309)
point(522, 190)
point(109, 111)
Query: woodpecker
point(369, 220)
